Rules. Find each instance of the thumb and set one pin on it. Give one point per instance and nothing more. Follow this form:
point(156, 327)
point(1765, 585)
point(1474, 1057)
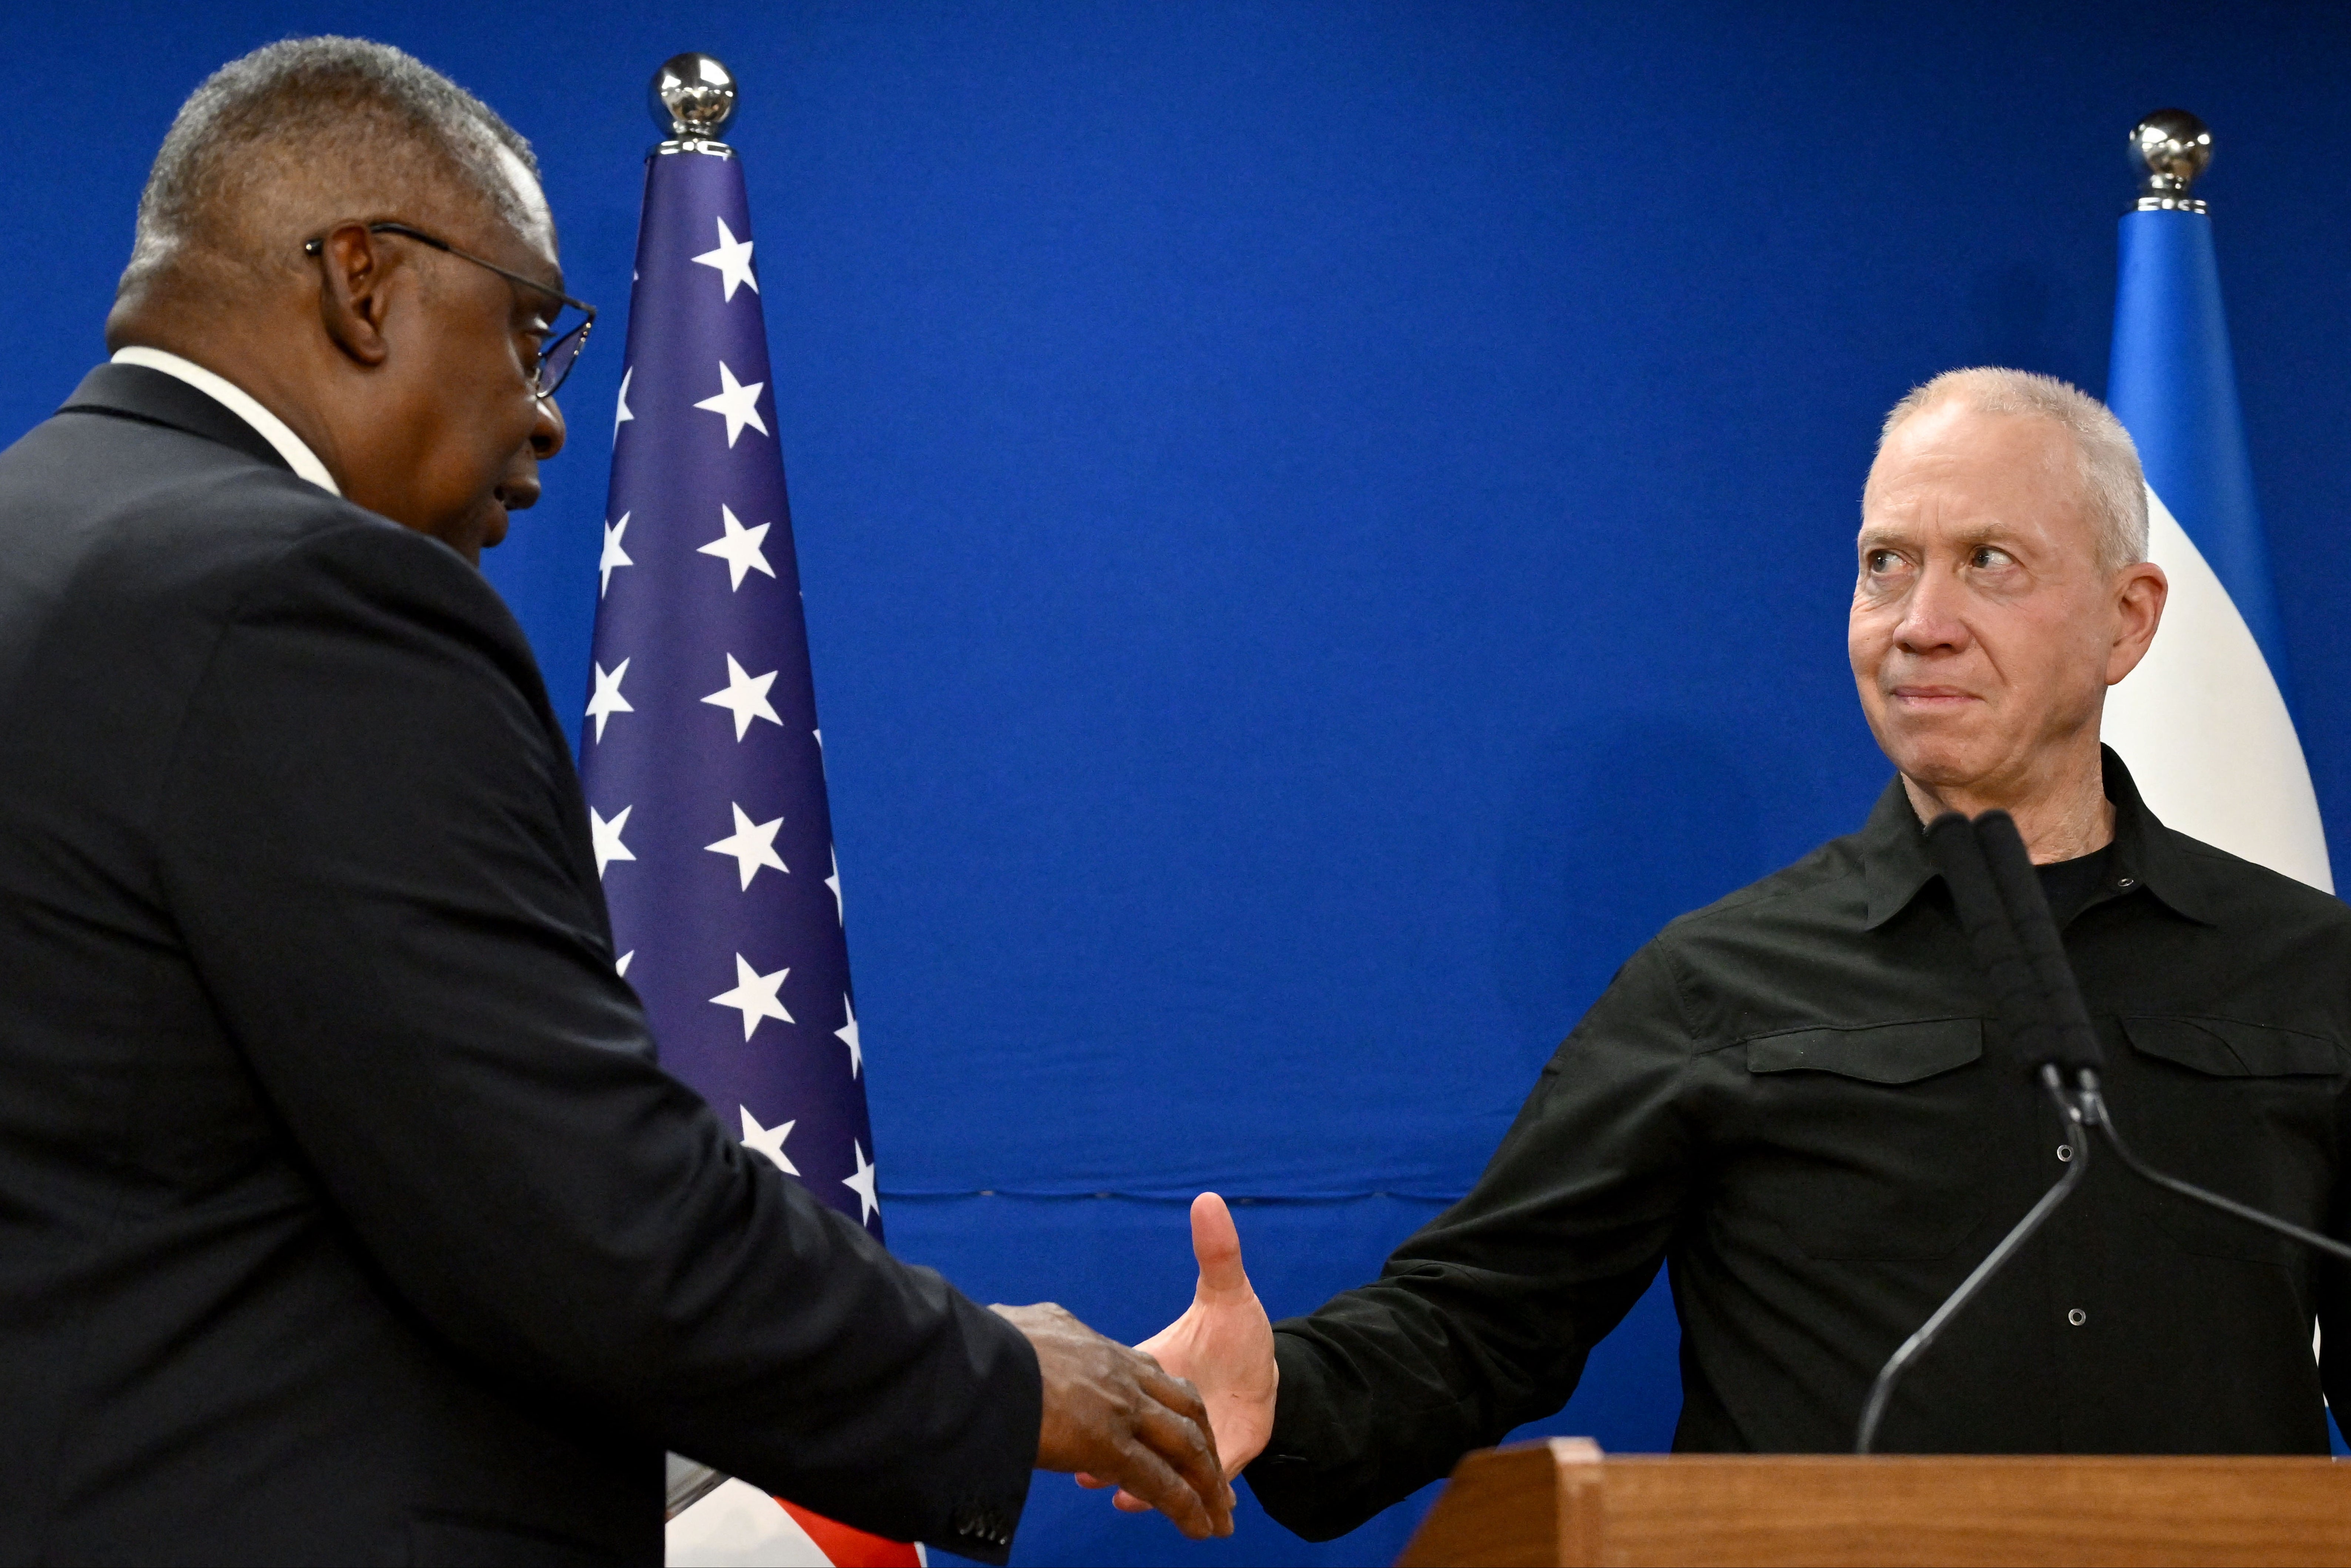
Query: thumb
point(1218, 1246)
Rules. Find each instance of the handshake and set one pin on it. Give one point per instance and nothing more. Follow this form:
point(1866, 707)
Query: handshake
point(1170, 1422)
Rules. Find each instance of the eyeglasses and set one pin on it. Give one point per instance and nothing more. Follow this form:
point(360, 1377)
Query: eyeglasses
point(557, 353)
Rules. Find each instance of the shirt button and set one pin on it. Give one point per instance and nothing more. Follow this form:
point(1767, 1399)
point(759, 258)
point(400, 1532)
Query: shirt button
point(2128, 882)
point(2064, 1152)
point(2077, 1317)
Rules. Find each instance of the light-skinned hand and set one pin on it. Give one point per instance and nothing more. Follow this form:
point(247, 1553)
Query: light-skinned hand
point(1223, 1344)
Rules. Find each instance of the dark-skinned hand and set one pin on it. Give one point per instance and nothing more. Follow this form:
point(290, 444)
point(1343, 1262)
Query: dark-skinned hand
point(1114, 1413)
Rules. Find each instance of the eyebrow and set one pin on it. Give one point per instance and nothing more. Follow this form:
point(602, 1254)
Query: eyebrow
point(1879, 536)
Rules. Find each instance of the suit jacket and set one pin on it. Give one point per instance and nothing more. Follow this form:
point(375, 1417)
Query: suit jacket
point(345, 1215)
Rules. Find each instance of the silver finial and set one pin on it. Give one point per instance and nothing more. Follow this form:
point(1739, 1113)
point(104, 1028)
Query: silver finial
point(692, 98)
point(2172, 147)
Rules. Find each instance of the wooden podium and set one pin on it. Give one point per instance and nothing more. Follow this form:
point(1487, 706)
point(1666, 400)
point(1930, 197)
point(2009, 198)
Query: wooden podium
point(1564, 1502)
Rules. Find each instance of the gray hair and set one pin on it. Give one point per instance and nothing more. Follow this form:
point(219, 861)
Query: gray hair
point(327, 106)
point(2114, 487)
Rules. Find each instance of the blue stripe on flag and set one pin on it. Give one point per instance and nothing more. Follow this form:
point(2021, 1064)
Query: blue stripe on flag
point(2173, 384)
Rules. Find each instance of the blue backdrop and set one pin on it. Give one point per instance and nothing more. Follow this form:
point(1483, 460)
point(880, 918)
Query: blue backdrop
point(1323, 523)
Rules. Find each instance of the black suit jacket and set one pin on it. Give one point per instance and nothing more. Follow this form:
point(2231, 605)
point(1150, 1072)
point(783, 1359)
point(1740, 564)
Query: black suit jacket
point(344, 1213)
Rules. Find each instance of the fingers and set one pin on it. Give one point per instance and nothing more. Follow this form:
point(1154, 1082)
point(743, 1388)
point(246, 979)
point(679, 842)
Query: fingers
point(1117, 1418)
point(1216, 1244)
point(1188, 1444)
point(1154, 1481)
point(1173, 1426)
point(1176, 1395)
point(1123, 1500)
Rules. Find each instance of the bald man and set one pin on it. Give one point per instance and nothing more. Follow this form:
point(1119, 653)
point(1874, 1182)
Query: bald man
point(344, 1214)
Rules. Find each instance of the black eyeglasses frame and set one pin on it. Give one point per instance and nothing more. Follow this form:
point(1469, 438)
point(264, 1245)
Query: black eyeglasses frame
point(567, 347)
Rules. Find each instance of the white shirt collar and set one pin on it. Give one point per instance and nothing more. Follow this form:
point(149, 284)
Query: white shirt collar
point(243, 404)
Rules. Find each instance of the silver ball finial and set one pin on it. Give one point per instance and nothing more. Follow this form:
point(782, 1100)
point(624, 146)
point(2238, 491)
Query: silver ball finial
point(692, 98)
point(2172, 147)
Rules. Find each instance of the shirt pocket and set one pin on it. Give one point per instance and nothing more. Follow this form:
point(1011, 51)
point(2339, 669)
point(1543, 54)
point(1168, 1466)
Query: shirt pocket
point(1859, 1135)
point(2246, 1110)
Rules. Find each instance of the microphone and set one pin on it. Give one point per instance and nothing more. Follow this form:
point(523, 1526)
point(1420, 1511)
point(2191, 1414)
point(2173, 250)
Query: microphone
point(2072, 1046)
point(1986, 895)
point(2072, 1042)
point(2004, 915)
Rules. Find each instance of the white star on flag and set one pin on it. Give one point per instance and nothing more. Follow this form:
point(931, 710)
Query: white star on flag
point(607, 699)
point(753, 846)
point(737, 404)
point(739, 547)
point(621, 415)
point(613, 555)
point(833, 882)
point(606, 837)
point(746, 697)
point(768, 1141)
point(732, 260)
point(754, 995)
point(848, 1033)
point(861, 1184)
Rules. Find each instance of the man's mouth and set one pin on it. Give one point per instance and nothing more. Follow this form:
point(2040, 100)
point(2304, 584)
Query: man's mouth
point(1932, 699)
point(495, 518)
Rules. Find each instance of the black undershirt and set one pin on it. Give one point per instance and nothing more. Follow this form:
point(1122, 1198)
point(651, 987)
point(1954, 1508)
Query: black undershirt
point(2068, 884)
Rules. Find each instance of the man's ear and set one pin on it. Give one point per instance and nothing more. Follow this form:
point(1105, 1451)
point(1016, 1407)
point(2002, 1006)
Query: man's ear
point(353, 275)
point(2140, 593)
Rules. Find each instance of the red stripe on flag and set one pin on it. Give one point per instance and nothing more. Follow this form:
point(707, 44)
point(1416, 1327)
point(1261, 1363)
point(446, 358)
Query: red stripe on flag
point(852, 1547)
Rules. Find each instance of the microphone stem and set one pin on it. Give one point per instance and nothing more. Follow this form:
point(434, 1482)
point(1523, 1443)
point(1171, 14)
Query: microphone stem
point(1881, 1391)
point(2099, 1113)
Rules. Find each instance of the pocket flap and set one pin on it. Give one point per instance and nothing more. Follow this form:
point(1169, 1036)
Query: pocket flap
point(2225, 1048)
point(1880, 1053)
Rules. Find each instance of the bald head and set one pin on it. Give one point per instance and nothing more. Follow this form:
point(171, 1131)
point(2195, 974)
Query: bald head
point(2099, 453)
point(296, 135)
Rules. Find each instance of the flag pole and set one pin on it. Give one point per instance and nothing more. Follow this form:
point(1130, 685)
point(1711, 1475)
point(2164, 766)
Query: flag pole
point(2174, 147)
point(692, 99)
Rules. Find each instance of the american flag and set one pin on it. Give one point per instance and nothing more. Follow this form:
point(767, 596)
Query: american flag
point(701, 756)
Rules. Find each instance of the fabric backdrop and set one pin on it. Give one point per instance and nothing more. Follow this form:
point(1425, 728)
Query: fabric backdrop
point(1323, 525)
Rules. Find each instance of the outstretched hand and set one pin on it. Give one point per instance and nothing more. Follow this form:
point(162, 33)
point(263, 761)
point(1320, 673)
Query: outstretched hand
point(1113, 1412)
point(1223, 1344)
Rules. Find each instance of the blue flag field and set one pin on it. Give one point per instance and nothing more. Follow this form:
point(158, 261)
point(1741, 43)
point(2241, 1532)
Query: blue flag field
point(702, 759)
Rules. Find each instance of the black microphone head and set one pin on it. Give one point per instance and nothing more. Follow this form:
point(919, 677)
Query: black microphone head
point(2003, 849)
point(2074, 1043)
point(1947, 836)
point(1955, 851)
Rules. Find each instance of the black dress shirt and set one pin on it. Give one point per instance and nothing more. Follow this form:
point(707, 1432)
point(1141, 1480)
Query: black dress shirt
point(1795, 1099)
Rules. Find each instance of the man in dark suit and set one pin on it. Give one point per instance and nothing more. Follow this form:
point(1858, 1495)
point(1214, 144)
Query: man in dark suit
point(344, 1214)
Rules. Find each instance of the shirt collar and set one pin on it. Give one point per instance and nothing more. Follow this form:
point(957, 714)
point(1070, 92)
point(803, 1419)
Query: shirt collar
point(2147, 855)
point(243, 404)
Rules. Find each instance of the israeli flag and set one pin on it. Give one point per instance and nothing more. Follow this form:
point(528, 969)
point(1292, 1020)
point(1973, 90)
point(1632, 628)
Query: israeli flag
point(2203, 722)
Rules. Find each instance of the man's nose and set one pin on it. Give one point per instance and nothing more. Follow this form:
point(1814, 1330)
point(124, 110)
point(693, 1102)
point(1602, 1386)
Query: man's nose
point(546, 430)
point(1931, 619)
point(519, 491)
